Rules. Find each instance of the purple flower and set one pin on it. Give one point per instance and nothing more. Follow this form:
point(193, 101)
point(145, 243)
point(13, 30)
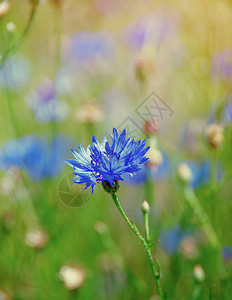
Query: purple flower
point(45, 103)
point(227, 253)
point(152, 29)
point(222, 65)
point(88, 46)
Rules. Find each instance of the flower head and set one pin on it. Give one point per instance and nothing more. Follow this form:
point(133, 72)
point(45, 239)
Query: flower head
point(103, 162)
point(39, 157)
point(46, 104)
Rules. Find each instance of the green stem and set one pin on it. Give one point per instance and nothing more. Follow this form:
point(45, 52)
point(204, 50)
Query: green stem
point(203, 217)
point(17, 43)
point(156, 275)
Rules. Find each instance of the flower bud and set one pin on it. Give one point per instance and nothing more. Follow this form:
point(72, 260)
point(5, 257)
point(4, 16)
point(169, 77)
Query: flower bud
point(215, 135)
point(89, 113)
point(10, 26)
point(198, 273)
point(184, 173)
point(100, 227)
point(143, 68)
point(36, 239)
point(4, 8)
point(188, 247)
point(150, 127)
point(72, 276)
point(155, 157)
point(145, 207)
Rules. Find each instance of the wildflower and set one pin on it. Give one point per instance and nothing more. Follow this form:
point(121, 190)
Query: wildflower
point(215, 135)
point(170, 239)
point(46, 104)
point(88, 48)
point(72, 276)
point(36, 239)
point(152, 29)
point(39, 158)
point(222, 65)
point(188, 247)
point(200, 172)
point(150, 127)
point(199, 273)
point(227, 253)
point(106, 164)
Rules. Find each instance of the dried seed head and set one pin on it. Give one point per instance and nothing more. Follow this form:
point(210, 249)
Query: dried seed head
point(215, 135)
point(199, 273)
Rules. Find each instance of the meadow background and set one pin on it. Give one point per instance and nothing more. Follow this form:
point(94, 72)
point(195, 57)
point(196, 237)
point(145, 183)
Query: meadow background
point(70, 69)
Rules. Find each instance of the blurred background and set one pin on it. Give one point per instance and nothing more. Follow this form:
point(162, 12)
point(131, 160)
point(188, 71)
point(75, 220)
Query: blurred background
point(162, 70)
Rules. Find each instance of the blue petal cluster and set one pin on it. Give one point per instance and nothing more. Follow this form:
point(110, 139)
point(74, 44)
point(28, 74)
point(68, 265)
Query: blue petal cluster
point(154, 173)
point(104, 162)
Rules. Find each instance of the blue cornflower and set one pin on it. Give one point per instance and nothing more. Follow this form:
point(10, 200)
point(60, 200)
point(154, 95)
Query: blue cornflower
point(201, 172)
point(106, 164)
point(46, 104)
point(85, 46)
point(227, 253)
point(38, 157)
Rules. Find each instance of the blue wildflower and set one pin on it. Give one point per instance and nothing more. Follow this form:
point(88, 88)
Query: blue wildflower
point(38, 157)
point(170, 239)
point(105, 163)
point(46, 104)
point(201, 172)
point(85, 46)
point(227, 253)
